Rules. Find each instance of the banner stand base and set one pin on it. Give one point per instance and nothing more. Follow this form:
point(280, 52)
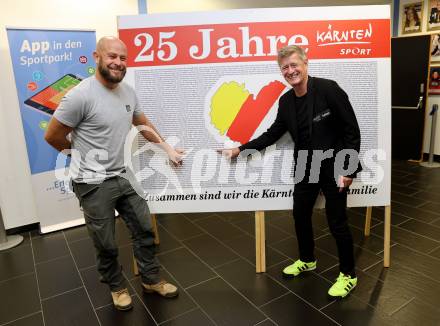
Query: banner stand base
point(11, 242)
point(430, 164)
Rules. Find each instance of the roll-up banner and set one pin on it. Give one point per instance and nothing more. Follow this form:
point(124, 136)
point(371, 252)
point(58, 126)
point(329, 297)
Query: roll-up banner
point(47, 64)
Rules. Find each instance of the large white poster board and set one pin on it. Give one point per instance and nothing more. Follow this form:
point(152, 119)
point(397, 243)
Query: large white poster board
point(210, 80)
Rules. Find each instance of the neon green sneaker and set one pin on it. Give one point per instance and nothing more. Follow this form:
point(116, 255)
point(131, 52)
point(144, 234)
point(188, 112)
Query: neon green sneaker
point(343, 286)
point(298, 267)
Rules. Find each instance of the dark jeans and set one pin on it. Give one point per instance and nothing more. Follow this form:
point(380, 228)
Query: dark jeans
point(305, 195)
point(99, 202)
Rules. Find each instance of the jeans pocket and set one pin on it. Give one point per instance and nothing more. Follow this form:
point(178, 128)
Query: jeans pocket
point(84, 191)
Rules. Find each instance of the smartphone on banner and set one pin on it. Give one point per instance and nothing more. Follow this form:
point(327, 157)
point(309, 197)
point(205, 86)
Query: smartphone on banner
point(48, 99)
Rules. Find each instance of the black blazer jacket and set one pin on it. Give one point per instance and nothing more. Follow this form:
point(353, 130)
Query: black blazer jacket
point(332, 121)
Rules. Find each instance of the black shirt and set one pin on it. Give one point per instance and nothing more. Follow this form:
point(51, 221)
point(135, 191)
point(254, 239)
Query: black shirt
point(302, 120)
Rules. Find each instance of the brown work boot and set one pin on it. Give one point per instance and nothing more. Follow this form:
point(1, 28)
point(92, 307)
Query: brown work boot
point(163, 288)
point(122, 299)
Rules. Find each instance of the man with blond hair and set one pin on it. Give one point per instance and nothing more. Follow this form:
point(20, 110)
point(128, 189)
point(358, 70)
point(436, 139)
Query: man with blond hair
point(319, 117)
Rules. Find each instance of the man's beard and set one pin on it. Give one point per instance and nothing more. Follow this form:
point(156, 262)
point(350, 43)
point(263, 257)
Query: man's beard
point(106, 74)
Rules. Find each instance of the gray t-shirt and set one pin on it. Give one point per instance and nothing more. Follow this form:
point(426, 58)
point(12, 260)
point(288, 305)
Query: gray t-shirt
point(101, 119)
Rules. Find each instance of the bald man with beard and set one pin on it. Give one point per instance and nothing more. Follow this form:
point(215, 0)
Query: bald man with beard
point(98, 115)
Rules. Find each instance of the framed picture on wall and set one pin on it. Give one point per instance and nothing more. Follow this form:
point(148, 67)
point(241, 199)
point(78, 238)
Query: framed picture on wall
point(412, 17)
point(435, 47)
point(434, 15)
point(434, 81)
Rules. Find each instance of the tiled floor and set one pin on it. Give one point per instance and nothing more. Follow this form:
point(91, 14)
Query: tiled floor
point(52, 279)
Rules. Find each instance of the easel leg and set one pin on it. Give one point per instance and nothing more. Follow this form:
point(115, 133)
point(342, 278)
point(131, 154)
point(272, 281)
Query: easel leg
point(135, 267)
point(156, 231)
point(260, 242)
point(387, 237)
point(368, 221)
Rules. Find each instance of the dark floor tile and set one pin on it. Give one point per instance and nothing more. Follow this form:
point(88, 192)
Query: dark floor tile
point(69, 309)
point(166, 241)
point(162, 217)
point(435, 253)
point(236, 217)
point(289, 247)
point(219, 229)
point(436, 223)
point(407, 279)
point(34, 320)
point(257, 288)
point(358, 220)
point(161, 308)
point(352, 311)
point(422, 184)
point(20, 298)
point(35, 234)
point(245, 247)
point(403, 180)
point(407, 238)
point(421, 263)
point(180, 227)
point(396, 218)
point(405, 190)
point(432, 196)
point(418, 313)
point(363, 257)
point(195, 317)
point(284, 222)
point(228, 308)
point(198, 216)
point(309, 286)
point(278, 213)
point(49, 247)
point(372, 242)
point(415, 213)
point(267, 322)
point(431, 206)
point(84, 253)
point(99, 292)
point(396, 172)
point(408, 200)
point(210, 250)
point(273, 234)
point(77, 233)
point(291, 310)
point(422, 228)
point(16, 261)
point(57, 276)
point(138, 316)
point(186, 268)
point(387, 296)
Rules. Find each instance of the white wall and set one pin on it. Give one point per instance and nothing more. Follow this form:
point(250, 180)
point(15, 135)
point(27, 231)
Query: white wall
point(157, 6)
point(16, 198)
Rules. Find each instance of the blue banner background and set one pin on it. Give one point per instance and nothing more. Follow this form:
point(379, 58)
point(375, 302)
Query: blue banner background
point(30, 52)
